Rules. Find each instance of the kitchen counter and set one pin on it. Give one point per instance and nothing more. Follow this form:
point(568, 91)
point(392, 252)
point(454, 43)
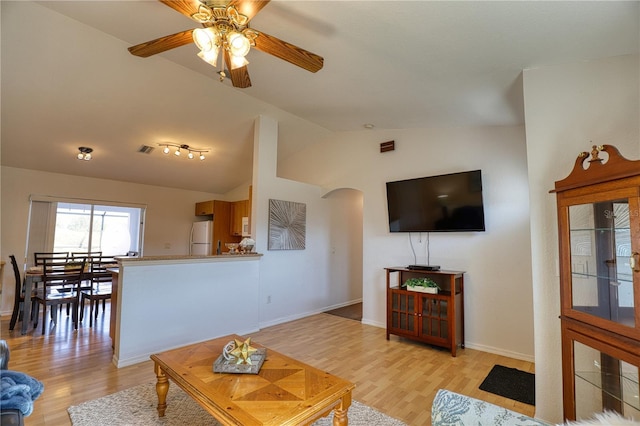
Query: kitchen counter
point(164, 302)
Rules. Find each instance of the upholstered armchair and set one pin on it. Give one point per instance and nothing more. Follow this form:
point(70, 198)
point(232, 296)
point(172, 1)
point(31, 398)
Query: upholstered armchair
point(17, 391)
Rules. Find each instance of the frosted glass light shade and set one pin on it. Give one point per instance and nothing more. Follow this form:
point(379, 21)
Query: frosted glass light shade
point(205, 38)
point(210, 56)
point(238, 61)
point(239, 45)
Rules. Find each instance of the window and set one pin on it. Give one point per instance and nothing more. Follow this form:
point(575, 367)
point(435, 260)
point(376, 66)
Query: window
point(89, 228)
point(84, 226)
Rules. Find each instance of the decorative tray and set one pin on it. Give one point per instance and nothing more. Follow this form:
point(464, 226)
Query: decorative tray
point(222, 365)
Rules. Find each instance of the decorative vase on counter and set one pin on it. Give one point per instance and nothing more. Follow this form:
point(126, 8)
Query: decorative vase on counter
point(247, 245)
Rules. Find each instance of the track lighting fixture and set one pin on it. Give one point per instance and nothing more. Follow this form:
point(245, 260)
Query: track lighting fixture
point(178, 150)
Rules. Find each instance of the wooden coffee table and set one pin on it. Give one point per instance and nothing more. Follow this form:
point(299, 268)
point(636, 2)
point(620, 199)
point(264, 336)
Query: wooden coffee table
point(284, 392)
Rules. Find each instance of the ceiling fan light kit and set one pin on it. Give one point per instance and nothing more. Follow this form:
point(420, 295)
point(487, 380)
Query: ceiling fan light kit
point(85, 153)
point(226, 29)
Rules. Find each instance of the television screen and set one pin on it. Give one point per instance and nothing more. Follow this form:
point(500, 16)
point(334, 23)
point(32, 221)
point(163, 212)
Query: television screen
point(444, 203)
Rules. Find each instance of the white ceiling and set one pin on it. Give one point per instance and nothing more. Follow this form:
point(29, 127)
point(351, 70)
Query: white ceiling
point(68, 80)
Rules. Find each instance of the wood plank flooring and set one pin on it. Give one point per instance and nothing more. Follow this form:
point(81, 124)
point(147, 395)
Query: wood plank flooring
point(397, 377)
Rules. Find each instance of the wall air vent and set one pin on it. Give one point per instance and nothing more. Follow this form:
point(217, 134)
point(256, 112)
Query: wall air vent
point(146, 149)
point(387, 146)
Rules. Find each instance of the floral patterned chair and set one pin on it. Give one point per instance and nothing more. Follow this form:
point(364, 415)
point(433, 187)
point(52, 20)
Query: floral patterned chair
point(452, 409)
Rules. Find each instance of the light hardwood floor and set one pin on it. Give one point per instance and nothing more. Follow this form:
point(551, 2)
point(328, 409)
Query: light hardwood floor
point(397, 377)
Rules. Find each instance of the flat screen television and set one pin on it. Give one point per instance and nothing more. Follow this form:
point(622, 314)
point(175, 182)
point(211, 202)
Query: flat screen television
point(444, 203)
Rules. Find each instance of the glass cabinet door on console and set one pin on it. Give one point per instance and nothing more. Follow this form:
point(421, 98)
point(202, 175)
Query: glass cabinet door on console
point(434, 321)
point(414, 314)
point(599, 236)
point(403, 312)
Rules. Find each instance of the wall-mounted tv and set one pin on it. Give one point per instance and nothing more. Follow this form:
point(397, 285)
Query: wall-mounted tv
point(444, 203)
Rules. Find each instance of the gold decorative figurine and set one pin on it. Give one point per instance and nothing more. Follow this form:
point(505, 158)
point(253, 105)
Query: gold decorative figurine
point(243, 351)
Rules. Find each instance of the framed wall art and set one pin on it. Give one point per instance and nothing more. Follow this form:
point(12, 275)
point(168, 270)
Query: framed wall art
point(287, 225)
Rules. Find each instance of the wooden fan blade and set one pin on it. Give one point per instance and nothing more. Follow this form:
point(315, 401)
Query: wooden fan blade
point(287, 51)
point(162, 44)
point(186, 7)
point(249, 8)
point(239, 76)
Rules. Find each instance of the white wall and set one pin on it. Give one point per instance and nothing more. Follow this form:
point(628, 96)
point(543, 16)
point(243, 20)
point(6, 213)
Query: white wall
point(293, 283)
point(169, 215)
point(498, 288)
point(568, 109)
point(185, 301)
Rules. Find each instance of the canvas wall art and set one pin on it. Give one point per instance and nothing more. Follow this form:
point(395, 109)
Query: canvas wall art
point(287, 225)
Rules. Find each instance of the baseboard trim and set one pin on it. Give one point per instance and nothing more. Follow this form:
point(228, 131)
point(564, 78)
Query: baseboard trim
point(282, 320)
point(498, 351)
point(374, 323)
point(342, 305)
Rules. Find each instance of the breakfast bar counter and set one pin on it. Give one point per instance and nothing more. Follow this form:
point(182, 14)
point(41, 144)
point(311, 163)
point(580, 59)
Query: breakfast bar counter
point(165, 302)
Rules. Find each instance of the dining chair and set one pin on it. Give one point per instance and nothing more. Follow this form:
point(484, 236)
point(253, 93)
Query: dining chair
point(100, 289)
point(57, 257)
point(40, 257)
point(86, 254)
point(57, 273)
point(75, 256)
point(19, 297)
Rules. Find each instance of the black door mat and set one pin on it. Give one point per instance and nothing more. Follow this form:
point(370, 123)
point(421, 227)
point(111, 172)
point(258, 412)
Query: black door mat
point(511, 383)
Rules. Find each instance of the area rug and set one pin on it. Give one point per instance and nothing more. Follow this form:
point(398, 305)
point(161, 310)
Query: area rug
point(511, 383)
point(137, 406)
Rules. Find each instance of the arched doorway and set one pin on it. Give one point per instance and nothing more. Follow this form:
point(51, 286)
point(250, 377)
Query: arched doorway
point(345, 245)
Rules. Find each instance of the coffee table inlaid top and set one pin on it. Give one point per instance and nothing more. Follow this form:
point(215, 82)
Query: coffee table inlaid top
point(284, 392)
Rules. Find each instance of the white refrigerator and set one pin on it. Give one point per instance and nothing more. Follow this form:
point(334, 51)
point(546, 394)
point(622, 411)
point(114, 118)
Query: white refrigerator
point(201, 238)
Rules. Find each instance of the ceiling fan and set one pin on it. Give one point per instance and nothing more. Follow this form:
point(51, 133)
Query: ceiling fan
point(225, 31)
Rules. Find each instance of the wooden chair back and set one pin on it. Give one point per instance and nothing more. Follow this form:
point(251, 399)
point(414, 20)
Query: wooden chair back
point(99, 266)
point(40, 257)
point(19, 297)
point(18, 277)
point(85, 255)
point(62, 274)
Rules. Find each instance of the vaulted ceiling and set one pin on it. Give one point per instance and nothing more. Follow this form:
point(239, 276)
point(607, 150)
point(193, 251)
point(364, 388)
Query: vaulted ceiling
point(69, 81)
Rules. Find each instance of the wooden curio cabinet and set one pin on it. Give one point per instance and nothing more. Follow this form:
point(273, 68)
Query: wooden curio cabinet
point(436, 319)
point(599, 235)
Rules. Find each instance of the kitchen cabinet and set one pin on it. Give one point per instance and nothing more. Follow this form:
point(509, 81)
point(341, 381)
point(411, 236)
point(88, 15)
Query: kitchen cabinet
point(239, 210)
point(204, 208)
point(599, 238)
point(221, 212)
point(436, 319)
